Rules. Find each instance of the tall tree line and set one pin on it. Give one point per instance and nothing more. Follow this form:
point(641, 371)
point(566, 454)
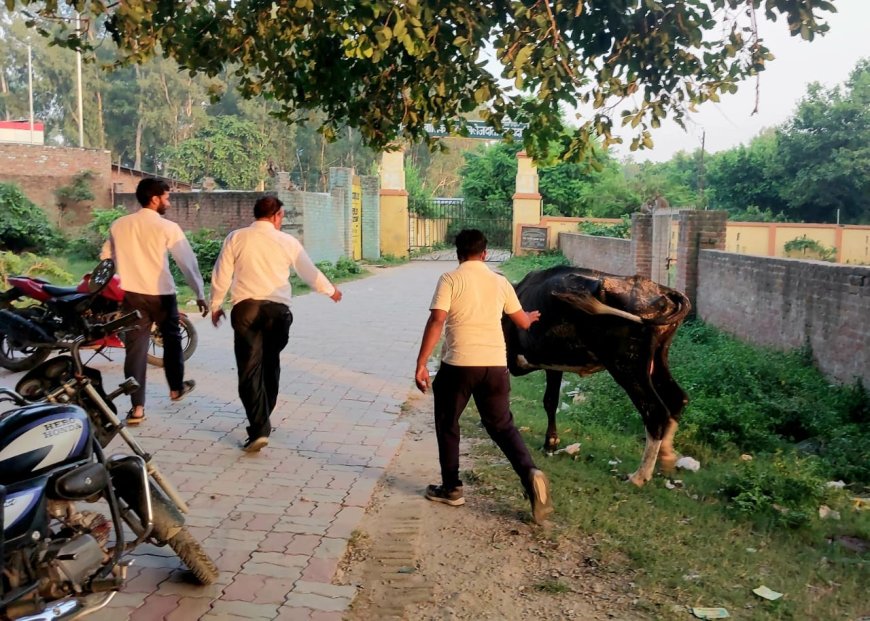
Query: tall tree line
point(158, 118)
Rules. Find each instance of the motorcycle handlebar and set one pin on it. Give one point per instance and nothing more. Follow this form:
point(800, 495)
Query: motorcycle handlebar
point(11, 395)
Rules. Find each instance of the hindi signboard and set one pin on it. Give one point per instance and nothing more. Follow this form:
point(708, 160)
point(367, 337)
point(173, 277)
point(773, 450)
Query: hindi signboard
point(533, 237)
point(478, 129)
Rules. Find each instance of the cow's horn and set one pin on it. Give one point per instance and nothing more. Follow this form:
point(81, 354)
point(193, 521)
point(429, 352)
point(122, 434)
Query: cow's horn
point(587, 303)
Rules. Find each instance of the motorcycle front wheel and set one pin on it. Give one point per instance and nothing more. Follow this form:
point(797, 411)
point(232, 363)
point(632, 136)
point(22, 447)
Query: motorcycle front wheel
point(189, 341)
point(16, 358)
point(188, 549)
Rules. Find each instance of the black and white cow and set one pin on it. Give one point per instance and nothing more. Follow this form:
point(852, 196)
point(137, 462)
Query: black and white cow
point(592, 321)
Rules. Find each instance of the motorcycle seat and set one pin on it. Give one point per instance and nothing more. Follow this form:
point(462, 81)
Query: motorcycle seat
point(57, 291)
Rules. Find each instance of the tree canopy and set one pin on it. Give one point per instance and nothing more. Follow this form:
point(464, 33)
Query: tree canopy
point(389, 67)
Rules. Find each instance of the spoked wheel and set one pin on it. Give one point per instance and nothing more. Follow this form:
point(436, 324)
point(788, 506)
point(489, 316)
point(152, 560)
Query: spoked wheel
point(169, 528)
point(20, 358)
point(189, 341)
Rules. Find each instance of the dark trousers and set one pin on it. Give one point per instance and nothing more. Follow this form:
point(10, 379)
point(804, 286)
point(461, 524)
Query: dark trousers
point(490, 386)
point(261, 331)
point(162, 310)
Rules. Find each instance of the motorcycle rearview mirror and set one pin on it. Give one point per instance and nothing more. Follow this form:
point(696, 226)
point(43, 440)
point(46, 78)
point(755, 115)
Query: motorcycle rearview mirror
point(101, 276)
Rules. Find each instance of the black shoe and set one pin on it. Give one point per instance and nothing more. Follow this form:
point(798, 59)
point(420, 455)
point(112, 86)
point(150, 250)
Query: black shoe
point(186, 388)
point(539, 495)
point(253, 445)
point(453, 497)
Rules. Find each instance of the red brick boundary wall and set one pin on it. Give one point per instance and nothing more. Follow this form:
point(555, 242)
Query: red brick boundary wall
point(787, 303)
point(40, 171)
point(220, 211)
point(767, 301)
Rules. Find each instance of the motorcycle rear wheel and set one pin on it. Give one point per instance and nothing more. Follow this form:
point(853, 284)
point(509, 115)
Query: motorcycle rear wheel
point(188, 549)
point(16, 358)
point(189, 341)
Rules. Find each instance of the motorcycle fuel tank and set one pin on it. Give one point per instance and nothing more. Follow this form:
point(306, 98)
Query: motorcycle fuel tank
point(38, 437)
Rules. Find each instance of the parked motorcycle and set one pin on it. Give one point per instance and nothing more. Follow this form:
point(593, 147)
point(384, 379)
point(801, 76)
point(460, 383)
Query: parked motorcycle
point(65, 312)
point(59, 561)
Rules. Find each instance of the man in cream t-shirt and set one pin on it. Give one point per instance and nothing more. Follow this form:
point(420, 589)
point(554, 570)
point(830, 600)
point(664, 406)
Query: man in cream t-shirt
point(470, 302)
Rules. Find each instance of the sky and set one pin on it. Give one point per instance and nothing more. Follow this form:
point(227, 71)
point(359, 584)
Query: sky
point(729, 123)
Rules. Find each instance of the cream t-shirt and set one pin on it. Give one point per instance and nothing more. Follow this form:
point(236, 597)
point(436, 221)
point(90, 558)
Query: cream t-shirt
point(474, 298)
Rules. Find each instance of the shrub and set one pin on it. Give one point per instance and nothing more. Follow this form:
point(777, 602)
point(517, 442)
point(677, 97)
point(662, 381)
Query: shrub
point(206, 245)
point(29, 264)
point(784, 491)
point(23, 225)
point(621, 230)
point(88, 246)
point(805, 248)
point(342, 268)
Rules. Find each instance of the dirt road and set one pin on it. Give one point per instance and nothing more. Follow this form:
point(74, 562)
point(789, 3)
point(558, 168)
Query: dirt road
point(415, 559)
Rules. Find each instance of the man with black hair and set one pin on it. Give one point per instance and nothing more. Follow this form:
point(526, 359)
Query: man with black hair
point(139, 243)
point(470, 302)
point(254, 265)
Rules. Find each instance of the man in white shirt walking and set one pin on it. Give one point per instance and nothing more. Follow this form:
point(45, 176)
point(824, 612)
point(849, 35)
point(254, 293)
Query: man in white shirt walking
point(139, 243)
point(254, 265)
point(470, 302)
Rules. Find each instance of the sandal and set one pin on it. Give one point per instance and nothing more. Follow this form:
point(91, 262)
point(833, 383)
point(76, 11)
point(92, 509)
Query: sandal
point(187, 386)
point(134, 420)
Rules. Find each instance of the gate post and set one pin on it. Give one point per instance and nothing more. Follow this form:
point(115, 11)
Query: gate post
point(641, 243)
point(527, 199)
point(371, 217)
point(395, 234)
point(699, 230)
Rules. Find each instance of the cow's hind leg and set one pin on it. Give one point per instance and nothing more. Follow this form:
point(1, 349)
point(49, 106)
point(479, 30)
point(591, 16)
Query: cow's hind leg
point(667, 454)
point(638, 384)
point(551, 404)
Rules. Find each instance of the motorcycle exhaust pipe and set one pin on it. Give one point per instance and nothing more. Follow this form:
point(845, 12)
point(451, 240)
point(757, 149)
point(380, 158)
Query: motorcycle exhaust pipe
point(22, 331)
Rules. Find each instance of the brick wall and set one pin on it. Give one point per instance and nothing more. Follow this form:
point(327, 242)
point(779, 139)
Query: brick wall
point(605, 254)
point(699, 230)
point(786, 303)
point(219, 211)
point(40, 171)
point(641, 244)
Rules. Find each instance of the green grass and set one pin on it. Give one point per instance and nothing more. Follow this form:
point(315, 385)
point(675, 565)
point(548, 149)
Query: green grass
point(735, 524)
point(516, 267)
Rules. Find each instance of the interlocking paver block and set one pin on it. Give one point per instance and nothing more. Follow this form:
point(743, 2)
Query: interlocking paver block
point(155, 607)
point(337, 427)
point(245, 610)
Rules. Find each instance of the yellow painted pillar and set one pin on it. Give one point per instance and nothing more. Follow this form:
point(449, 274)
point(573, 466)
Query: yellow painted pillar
point(528, 207)
point(395, 237)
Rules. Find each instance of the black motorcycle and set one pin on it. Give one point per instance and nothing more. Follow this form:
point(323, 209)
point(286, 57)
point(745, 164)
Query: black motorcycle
point(59, 561)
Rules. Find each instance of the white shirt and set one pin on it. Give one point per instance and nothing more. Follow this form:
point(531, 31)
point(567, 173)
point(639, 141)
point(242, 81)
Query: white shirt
point(474, 298)
point(139, 243)
point(255, 262)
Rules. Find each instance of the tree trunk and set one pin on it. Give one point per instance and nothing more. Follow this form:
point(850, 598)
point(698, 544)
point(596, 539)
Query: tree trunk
point(101, 128)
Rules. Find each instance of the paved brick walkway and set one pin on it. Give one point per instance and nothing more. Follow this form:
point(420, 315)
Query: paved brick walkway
point(277, 523)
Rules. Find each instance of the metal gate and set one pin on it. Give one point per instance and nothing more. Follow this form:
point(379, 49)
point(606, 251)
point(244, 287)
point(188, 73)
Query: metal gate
point(435, 222)
point(666, 230)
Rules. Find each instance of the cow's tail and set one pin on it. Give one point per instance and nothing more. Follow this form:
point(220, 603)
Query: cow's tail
point(588, 303)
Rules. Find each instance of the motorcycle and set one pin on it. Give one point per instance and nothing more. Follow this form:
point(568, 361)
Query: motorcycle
point(64, 312)
point(59, 561)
